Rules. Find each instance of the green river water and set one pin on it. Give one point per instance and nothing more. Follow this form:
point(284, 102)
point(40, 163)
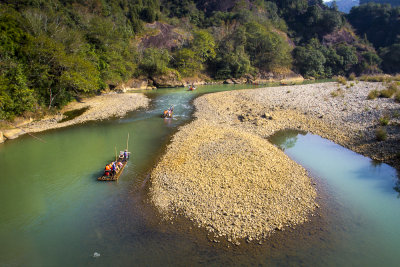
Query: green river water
point(54, 212)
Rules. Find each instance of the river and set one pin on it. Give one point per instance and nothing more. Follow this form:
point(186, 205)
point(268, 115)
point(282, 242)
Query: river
point(55, 213)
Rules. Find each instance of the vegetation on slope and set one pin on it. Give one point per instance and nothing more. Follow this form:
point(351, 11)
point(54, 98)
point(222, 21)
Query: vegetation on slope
point(54, 51)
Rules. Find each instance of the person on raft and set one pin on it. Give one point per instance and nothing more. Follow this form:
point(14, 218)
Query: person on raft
point(126, 155)
point(107, 170)
point(168, 112)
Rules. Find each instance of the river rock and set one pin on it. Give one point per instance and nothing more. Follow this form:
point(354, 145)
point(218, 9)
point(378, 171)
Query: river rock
point(140, 83)
point(171, 79)
point(229, 81)
point(231, 181)
point(13, 133)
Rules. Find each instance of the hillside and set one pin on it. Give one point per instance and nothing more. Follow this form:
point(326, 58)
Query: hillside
point(52, 52)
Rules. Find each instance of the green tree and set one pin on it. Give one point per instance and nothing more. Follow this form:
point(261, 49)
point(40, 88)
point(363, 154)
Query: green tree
point(154, 61)
point(203, 45)
point(267, 48)
point(187, 62)
point(391, 58)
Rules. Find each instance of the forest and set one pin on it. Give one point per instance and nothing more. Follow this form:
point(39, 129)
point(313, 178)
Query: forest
point(52, 52)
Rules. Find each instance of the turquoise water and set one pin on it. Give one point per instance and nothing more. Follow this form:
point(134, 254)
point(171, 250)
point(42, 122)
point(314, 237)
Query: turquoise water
point(366, 190)
point(55, 213)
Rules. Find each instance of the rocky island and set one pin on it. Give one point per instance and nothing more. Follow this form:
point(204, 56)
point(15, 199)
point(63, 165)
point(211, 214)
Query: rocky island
point(221, 172)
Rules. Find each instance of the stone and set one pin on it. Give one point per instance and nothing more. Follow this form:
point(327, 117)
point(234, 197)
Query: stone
point(135, 84)
point(13, 133)
point(170, 79)
point(1, 137)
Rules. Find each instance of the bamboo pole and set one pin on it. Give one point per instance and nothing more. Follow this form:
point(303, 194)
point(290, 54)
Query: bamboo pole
point(127, 141)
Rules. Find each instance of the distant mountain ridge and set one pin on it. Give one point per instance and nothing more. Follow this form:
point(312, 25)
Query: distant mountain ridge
point(344, 5)
point(392, 2)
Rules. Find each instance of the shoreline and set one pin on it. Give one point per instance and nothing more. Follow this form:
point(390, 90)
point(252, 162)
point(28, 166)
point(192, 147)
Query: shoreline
point(348, 119)
point(99, 108)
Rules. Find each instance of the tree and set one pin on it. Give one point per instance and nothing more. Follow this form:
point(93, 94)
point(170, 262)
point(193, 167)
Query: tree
point(154, 61)
point(267, 48)
point(187, 62)
point(309, 61)
point(203, 45)
point(391, 58)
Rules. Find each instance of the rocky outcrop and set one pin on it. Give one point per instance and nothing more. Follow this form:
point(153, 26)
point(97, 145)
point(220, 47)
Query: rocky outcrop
point(163, 35)
point(1, 137)
point(140, 83)
point(170, 79)
point(194, 81)
point(13, 133)
point(288, 77)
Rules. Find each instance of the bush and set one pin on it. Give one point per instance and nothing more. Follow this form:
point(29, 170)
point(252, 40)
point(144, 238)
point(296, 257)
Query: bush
point(397, 97)
point(342, 80)
point(393, 87)
point(381, 134)
point(352, 77)
point(375, 78)
point(338, 92)
point(384, 120)
point(387, 93)
point(373, 94)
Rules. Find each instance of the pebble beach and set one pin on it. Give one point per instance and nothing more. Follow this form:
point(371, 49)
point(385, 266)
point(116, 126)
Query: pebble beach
point(98, 108)
point(221, 172)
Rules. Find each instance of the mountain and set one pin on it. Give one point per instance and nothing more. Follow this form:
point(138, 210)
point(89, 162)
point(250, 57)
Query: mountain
point(392, 2)
point(344, 5)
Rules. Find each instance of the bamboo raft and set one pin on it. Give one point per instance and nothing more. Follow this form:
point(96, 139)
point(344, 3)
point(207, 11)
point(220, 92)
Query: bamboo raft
point(116, 175)
point(122, 159)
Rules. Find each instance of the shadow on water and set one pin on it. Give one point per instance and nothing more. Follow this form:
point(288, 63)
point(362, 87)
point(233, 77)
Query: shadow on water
point(69, 115)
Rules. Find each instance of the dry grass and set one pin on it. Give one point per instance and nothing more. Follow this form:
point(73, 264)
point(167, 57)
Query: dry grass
point(342, 80)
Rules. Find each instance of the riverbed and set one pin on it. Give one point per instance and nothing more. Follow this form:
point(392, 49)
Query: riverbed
point(54, 211)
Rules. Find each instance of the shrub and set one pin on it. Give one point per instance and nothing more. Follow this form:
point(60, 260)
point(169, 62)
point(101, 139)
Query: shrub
point(393, 87)
point(342, 80)
point(381, 134)
point(352, 77)
point(375, 78)
point(384, 120)
point(335, 93)
point(397, 97)
point(373, 94)
point(389, 91)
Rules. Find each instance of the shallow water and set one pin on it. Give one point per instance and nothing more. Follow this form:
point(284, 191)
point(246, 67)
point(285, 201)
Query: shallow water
point(55, 213)
point(365, 190)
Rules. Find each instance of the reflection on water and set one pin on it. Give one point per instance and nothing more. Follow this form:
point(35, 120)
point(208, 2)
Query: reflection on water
point(287, 139)
point(364, 187)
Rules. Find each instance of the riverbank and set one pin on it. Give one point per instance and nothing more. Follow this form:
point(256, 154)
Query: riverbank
point(98, 108)
point(222, 173)
point(333, 111)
